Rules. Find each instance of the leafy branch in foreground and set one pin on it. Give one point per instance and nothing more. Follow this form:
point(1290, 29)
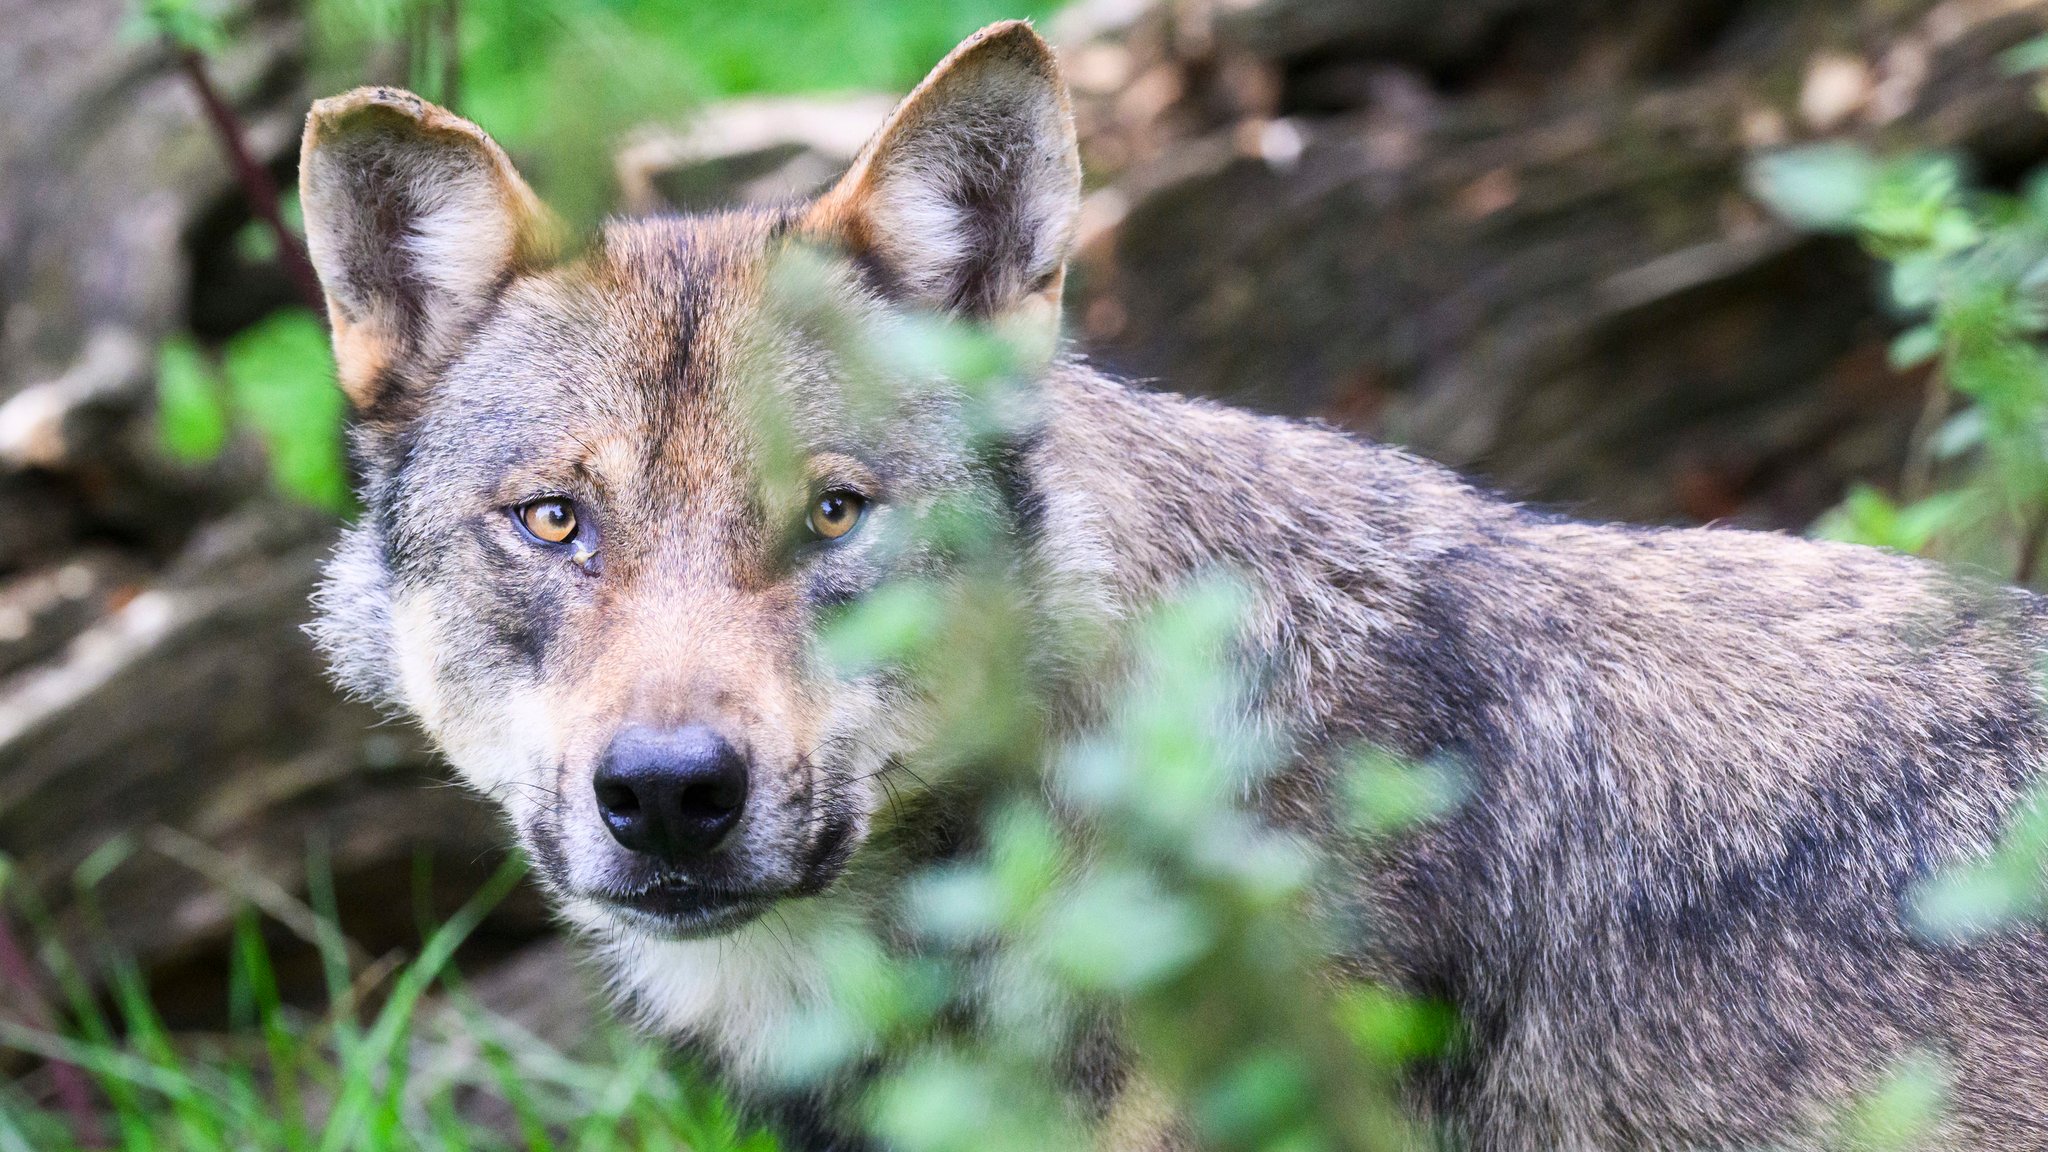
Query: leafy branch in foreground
point(1119, 889)
point(1968, 277)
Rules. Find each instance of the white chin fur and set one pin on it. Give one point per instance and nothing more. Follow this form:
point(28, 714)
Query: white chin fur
point(738, 992)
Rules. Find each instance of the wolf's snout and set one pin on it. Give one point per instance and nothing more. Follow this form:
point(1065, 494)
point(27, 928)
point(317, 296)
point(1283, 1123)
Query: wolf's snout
point(673, 794)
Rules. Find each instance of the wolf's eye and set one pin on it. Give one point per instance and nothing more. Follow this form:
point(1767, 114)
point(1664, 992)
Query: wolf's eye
point(551, 521)
point(835, 513)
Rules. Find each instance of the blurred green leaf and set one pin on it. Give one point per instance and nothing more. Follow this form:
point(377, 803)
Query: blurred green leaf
point(1914, 205)
point(1915, 281)
point(1971, 899)
point(281, 376)
point(1395, 1029)
point(1914, 347)
point(192, 418)
point(195, 24)
point(256, 243)
point(1263, 1095)
point(2027, 56)
point(1821, 186)
point(1960, 433)
point(1119, 931)
point(1901, 1113)
point(102, 860)
point(1868, 516)
point(935, 1106)
point(1388, 793)
point(891, 625)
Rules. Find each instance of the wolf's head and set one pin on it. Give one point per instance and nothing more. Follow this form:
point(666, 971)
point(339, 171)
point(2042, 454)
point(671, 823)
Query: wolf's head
point(576, 565)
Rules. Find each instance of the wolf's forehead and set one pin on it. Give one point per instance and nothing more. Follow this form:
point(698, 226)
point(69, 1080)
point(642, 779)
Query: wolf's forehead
point(618, 363)
point(652, 318)
point(670, 297)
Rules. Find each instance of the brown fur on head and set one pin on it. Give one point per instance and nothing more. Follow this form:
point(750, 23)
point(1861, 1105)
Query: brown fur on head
point(629, 384)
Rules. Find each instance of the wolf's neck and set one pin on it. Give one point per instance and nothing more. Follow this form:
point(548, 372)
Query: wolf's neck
point(1141, 492)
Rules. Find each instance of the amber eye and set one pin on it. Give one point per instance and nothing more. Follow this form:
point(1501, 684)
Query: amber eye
point(552, 521)
point(836, 512)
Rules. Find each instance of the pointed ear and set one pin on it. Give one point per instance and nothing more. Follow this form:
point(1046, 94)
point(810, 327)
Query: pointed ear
point(414, 220)
point(966, 198)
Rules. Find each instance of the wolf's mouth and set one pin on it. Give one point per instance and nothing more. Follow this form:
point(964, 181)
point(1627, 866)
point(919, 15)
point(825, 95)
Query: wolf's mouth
point(686, 911)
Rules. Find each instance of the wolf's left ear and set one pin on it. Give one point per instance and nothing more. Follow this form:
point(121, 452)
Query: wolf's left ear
point(966, 199)
point(414, 219)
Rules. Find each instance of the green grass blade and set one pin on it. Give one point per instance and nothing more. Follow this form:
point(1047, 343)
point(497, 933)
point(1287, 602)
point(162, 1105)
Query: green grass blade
point(360, 1092)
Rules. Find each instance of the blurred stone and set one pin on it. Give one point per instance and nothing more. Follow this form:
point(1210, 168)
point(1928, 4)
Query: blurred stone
point(1421, 29)
point(751, 151)
point(1837, 86)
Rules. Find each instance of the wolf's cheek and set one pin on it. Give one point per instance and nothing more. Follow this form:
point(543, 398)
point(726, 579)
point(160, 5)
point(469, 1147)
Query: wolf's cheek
point(499, 735)
point(413, 643)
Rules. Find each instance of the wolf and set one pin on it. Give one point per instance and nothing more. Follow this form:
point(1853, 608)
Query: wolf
point(1708, 768)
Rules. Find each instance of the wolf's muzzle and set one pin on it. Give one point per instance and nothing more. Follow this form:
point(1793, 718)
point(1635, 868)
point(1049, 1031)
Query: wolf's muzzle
point(672, 794)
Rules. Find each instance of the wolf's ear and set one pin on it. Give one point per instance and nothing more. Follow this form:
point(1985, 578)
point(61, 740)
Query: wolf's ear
point(414, 219)
point(966, 198)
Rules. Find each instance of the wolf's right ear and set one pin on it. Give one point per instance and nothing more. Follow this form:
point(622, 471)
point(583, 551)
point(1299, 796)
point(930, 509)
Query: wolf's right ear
point(414, 219)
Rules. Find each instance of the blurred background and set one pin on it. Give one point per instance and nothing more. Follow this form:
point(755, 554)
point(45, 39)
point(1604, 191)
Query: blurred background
point(1643, 259)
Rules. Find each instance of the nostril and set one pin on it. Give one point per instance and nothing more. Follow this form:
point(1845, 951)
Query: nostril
point(720, 795)
point(617, 799)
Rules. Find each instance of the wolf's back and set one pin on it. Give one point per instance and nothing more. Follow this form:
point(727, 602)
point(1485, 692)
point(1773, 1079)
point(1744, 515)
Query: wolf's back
point(1709, 775)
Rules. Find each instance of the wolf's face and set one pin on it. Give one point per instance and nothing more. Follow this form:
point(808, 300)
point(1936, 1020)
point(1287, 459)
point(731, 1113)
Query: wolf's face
point(609, 503)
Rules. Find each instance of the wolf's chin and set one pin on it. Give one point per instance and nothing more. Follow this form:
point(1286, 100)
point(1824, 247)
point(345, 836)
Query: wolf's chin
point(700, 923)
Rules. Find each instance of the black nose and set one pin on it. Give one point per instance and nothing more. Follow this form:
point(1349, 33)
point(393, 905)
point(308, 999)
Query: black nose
point(671, 793)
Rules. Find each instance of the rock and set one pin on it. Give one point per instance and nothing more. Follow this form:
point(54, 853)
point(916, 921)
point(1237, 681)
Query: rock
point(1551, 278)
point(749, 151)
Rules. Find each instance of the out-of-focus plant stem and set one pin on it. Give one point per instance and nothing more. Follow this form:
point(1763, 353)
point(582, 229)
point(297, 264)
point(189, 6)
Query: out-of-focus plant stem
point(72, 1094)
point(1916, 480)
point(257, 186)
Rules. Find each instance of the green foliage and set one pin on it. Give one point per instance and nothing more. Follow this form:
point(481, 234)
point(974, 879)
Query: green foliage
point(1824, 186)
point(1901, 1112)
point(192, 414)
point(276, 380)
point(2028, 57)
point(1967, 274)
point(194, 24)
point(1120, 878)
point(382, 1069)
point(1868, 516)
point(1986, 895)
point(280, 377)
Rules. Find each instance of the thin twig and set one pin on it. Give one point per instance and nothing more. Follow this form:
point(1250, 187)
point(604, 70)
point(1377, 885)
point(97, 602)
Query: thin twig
point(257, 186)
point(1917, 478)
point(69, 1081)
